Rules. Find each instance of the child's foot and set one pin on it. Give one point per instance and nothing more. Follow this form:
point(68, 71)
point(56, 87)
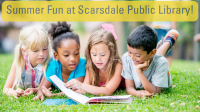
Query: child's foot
point(170, 37)
point(110, 28)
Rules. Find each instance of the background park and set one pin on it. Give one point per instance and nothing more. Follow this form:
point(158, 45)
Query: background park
point(183, 95)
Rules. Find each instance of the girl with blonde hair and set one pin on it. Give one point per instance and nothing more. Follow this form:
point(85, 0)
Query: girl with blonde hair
point(32, 55)
point(103, 69)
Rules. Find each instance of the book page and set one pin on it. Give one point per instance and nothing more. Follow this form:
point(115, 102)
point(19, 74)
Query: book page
point(68, 92)
point(112, 97)
point(128, 100)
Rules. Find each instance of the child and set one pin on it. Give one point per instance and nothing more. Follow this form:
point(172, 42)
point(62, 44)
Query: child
point(67, 64)
point(103, 67)
point(146, 72)
point(31, 58)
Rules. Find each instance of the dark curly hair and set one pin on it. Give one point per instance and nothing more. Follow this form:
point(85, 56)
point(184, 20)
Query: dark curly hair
point(62, 31)
point(143, 37)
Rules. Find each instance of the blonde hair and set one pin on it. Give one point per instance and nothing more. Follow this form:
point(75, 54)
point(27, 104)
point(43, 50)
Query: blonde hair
point(106, 37)
point(31, 37)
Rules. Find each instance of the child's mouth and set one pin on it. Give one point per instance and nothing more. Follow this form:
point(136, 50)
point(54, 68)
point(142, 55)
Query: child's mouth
point(136, 62)
point(41, 58)
point(99, 64)
point(72, 65)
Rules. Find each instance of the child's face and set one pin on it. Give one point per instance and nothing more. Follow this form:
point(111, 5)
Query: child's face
point(100, 54)
point(138, 55)
point(68, 54)
point(37, 56)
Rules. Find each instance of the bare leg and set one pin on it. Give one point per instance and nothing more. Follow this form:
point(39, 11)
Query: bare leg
point(162, 50)
point(169, 59)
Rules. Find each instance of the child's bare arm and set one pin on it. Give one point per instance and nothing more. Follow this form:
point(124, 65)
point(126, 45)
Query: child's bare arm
point(80, 79)
point(148, 86)
point(86, 81)
point(10, 81)
point(48, 93)
point(107, 90)
point(130, 89)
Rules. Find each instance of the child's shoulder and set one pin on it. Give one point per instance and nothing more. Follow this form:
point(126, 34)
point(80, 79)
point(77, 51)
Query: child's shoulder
point(125, 56)
point(82, 61)
point(159, 59)
point(159, 62)
point(118, 65)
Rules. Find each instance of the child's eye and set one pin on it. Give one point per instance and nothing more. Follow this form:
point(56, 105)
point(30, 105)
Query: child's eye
point(93, 54)
point(77, 54)
point(45, 49)
point(66, 55)
point(137, 56)
point(103, 55)
point(35, 51)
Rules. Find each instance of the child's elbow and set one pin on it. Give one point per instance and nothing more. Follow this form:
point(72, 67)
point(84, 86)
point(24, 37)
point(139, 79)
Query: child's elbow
point(128, 91)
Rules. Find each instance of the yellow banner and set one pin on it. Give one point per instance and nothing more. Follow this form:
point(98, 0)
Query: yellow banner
point(99, 11)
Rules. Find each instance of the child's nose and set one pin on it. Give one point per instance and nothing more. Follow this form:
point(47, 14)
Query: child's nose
point(41, 52)
point(98, 58)
point(72, 58)
point(132, 57)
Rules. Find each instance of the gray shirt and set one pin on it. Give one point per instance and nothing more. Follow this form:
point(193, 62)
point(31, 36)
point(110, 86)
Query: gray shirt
point(157, 72)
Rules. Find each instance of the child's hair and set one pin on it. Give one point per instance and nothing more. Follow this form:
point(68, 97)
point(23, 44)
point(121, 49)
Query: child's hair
point(31, 37)
point(60, 32)
point(106, 37)
point(143, 37)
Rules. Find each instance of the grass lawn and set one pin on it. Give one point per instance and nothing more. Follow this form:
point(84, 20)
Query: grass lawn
point(183, 96)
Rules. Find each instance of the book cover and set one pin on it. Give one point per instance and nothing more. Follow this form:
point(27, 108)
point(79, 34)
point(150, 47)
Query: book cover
point(59, 102)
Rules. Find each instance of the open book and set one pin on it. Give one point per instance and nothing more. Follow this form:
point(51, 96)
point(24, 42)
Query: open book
point(79, 98)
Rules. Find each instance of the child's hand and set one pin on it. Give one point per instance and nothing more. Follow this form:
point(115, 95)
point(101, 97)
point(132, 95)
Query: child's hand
point(30, 91)
point(73, 83)
point(80, 91)
point(143, 93)
point(18, 92)
point(46, 91)
point(143, 66)
point(40, 96)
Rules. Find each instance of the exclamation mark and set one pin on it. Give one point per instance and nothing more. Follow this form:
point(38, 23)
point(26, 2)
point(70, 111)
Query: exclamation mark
point(192, 9)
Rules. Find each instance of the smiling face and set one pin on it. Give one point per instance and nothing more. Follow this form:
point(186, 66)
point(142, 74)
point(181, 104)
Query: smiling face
point(139, 56)
point(37, 56)
point(68, 54)
point(100, 55)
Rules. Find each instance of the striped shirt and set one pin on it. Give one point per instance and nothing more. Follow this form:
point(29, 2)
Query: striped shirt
point(157, 72)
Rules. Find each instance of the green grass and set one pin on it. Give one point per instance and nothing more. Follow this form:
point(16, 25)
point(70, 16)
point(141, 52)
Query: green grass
point(185, 76)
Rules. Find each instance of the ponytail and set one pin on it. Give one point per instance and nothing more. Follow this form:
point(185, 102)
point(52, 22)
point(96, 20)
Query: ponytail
point(19, 61)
